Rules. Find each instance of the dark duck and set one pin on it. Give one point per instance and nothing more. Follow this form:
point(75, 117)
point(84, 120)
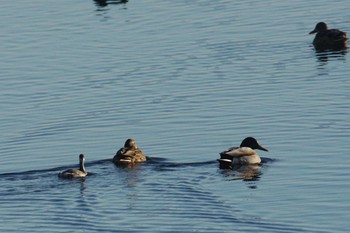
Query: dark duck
point(328, 39)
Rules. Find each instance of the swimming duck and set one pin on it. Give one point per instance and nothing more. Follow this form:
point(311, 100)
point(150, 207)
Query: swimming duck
point(129, 154)
point(242, 155)
point(75, 173)
point(328, 39)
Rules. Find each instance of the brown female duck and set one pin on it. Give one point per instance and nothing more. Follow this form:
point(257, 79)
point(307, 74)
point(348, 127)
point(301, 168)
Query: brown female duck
point(328, 39)
point(129, 154)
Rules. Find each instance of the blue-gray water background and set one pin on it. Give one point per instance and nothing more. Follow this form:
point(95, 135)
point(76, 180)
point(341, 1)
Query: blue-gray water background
point(186, 80)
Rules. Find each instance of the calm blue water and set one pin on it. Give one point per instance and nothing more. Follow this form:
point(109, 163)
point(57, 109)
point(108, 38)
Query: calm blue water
point(186, 80)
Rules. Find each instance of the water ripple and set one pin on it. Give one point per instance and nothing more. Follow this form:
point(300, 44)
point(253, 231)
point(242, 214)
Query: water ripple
point(186, 80)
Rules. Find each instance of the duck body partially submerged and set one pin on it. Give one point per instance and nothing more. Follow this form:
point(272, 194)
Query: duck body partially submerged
point(244, 154)
point(129, 154)
point(75, 173)
point(328, 39)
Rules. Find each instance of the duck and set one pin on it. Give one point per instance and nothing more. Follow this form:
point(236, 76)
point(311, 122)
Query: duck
point(129, 154)
point(75, 173)
point(328, 39)
point(243, 155)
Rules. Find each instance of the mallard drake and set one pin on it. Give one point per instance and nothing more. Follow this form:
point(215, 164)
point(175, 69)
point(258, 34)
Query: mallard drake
point(129, 154)
point(328, 39)
point(75, 173)
point(242, 155)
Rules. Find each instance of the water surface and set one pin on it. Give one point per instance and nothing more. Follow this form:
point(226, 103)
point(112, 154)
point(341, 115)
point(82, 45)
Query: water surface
point(186, 80)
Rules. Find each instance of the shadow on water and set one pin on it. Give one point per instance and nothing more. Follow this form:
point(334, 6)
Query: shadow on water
point(141, 190)
point(56, 169)
point(245, 173)
point(160, 164)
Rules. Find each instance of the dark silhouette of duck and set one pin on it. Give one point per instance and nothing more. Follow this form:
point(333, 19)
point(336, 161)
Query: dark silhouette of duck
point(328, 39)
point(104, 3)
point(75, 173)
point(242, 155)
point(129, 154)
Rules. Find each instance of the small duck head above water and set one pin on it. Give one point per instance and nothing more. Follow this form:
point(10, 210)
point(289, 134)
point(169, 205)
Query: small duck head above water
point(320, 27)
point(129, 154)
point(244, 154)
point(75, 173)
point(130, 143)
point(328, 39)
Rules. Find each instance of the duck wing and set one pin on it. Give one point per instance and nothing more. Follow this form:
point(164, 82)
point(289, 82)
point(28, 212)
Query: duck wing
point(336, 34)
point(124, 153)
point(237, 152)
point(72, 173)
point(129, 155)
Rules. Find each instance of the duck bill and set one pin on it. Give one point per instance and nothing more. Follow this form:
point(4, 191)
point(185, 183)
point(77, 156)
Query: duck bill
point(262, 148)
point(312, 32)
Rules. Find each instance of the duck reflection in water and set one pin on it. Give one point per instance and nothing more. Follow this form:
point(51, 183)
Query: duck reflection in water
point(250, 173)
point(104, 3)
point(129, 155)
point(242, 172)
point(324, 56)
